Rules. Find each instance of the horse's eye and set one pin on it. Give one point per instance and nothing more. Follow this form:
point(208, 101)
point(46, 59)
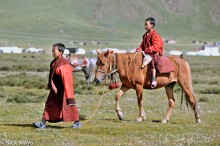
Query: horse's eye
point(99, 62)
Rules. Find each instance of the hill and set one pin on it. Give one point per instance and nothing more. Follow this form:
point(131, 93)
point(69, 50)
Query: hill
point(43, 22)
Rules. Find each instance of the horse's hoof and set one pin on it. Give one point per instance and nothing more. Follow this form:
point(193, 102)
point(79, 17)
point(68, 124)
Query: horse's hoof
point(144, 117)
point(139, 119)
point(164, 121)
point(198, 121)
point(120, 115)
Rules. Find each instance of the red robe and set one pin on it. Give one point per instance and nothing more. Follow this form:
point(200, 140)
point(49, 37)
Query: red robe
point(61, 88)
point(152, 43)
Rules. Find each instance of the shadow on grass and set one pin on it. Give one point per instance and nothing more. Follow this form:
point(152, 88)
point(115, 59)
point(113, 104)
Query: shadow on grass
point(82, 117)
point(18, 125)
point(156, 121)
point(115, 120)
point(56, 127)
point(159, 121)
point(31, 125)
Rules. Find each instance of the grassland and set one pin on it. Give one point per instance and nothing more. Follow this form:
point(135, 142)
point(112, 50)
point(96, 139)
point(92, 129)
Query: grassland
point(22, 98)
point(23, 77)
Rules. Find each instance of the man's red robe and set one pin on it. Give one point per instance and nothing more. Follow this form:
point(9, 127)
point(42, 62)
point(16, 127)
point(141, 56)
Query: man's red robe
point(61, 88)
point(152, 43)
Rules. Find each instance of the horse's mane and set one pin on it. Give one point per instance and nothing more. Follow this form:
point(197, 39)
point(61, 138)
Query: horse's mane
point(128, 63)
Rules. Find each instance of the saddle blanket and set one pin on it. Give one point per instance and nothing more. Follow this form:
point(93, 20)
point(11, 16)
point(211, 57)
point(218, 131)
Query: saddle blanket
point(164, 65)
point(78, 62)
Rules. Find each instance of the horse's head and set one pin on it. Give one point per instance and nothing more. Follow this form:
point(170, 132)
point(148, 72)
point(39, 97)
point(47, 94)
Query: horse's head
point(104, 64)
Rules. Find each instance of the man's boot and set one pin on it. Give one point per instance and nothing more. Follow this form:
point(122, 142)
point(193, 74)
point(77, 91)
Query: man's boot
point(40, 125)
point(154, 82)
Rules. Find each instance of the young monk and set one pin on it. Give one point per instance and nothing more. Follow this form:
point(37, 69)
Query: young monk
point(60, 104)
point(152, 45)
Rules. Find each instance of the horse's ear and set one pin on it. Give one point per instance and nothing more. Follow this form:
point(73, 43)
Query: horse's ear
point(107, 52)
point(111, 51)
point(97, 51)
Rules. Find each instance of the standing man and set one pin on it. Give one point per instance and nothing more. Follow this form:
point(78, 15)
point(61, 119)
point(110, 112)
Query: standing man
point(152, 45)
point(60, 104)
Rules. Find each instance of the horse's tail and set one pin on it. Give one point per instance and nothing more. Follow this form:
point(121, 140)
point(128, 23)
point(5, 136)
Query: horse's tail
point(187, 103)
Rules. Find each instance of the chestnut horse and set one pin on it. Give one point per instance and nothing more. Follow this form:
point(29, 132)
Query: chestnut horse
point(128, 66)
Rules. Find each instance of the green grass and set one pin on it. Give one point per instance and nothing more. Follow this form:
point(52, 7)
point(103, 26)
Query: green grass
point(106, 129)
point(25, 62)
point(21, 106)
point(42, 23)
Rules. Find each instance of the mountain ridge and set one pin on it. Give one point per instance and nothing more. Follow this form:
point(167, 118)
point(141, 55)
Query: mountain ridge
point(103, 20)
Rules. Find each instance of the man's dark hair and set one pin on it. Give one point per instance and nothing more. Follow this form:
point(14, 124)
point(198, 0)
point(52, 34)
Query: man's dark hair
point(152, 21)
point(60, 46)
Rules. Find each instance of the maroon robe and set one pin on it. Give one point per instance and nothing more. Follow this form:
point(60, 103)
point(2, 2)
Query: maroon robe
point(61, 88)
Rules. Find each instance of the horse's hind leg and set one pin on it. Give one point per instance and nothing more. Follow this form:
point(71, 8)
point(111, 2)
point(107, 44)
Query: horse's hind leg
point(171, 100)
point(185, 82)
point(117, 99)
point(191, 99)
point(87, 76)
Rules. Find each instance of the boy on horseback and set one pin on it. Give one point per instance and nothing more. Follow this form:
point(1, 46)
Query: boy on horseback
point(152, 45)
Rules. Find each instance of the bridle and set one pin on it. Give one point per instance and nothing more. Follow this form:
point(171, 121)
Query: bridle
point(111, 69)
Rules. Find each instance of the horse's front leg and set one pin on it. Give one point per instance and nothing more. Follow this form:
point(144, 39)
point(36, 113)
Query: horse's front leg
point(139, 92)
point(117, 99)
